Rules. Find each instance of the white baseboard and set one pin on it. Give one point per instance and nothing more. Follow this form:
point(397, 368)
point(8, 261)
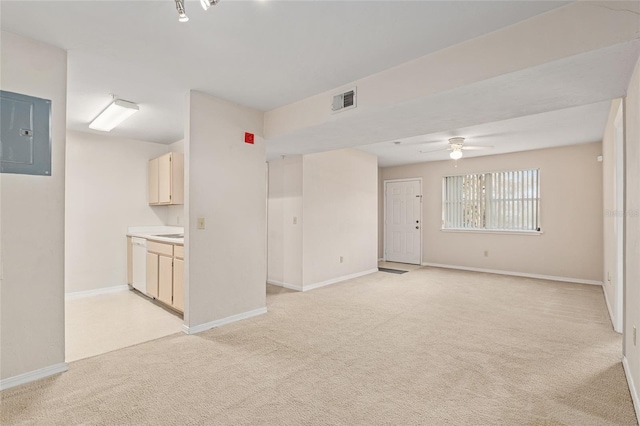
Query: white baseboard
point(285, 285)
point(32, 376)
point(632, 387)
point(321, 284)
point(337, 280)
point(611, 316)
point(95, 292)
point(223, 321)
point(515, 274)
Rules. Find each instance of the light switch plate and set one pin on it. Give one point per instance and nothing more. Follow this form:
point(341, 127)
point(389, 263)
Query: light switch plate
point(201, 223)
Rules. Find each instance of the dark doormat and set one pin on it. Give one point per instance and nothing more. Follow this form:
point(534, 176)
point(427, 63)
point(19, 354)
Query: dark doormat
point(392, 271)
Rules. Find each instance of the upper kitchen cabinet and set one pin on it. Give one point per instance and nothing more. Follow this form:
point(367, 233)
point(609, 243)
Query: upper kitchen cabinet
point(166, 179)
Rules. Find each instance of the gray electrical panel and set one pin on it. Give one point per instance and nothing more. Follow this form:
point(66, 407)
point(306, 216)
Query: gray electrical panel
point(25, 134)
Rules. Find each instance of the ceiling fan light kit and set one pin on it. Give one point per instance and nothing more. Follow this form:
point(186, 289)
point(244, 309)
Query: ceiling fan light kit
point(456, 146)
point(456, 154)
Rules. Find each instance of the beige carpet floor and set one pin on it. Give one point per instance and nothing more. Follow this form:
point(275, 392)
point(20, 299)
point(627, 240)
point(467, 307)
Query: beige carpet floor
point(429, 347)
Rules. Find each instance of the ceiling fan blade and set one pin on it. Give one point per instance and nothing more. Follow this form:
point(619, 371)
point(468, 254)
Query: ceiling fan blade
point(475, 147)
point(473, 137)
point(434, 150)
point(432, 142)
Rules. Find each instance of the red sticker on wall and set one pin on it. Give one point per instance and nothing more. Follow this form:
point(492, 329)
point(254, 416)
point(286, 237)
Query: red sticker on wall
point(248, 137)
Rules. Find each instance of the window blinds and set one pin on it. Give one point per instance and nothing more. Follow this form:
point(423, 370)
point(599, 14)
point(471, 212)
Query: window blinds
point(492, 201)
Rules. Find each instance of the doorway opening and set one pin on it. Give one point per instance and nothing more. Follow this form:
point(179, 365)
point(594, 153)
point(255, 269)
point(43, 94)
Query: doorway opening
point(105, 209)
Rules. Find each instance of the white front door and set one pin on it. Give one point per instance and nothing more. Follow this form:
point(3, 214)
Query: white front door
point(403, 221)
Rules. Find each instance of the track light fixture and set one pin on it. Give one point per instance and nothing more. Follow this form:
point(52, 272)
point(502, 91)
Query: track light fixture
point(206, 4)
point(182, 16)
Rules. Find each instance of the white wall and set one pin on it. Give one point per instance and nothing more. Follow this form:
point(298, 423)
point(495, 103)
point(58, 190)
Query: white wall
point(285, 236)
point(340, 212)
point(632, 231)
point(226, 263)
point(106, 192)
point(32, 222)
point(612, 182)
point(333, 197)
point(571, 215)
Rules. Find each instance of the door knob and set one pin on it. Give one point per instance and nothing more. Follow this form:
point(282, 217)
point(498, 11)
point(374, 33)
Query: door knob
point(417, 227)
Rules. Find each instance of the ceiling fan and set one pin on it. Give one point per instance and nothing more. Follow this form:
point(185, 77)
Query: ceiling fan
point(456, 146)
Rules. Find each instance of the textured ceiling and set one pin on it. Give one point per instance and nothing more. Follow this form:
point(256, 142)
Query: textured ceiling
point(261, 54)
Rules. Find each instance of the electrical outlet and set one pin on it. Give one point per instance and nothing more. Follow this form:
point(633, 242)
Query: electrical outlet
point(295, 220)
point(341, 259)
point(201, 223)
point(609, 276)
point(486, 253)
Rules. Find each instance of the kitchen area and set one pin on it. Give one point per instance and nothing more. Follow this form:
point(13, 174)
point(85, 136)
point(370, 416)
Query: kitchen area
point(124, 244)
point(155, 255)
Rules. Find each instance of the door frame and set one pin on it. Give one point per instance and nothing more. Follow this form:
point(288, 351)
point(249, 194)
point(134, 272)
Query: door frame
point(384, 208)
point(618, 195)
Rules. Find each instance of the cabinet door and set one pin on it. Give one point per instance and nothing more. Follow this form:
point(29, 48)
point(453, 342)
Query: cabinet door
point(177, 178)
point(164, 179)
point(178, 251)
point(178, 284)
point(152, 274)
point(165, 279)
point(153, 181)
point(129, 261)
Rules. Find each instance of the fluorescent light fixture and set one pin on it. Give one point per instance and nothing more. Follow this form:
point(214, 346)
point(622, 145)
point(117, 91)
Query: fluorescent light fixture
point(114, 114)
point(456, 154)
point(206, 4)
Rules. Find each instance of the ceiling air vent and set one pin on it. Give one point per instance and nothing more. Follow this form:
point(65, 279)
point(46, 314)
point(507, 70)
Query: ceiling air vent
point(343, 101)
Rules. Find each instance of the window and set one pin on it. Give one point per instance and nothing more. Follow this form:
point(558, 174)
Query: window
point(501, 201)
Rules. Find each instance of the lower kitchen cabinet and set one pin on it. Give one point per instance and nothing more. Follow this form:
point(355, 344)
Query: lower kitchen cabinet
point(165, 279)
point(165, 274)
point(152, 274)
point(129, 261)
point(178, 284)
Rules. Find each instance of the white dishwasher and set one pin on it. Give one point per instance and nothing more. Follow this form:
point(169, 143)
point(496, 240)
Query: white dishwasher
point(139, 264)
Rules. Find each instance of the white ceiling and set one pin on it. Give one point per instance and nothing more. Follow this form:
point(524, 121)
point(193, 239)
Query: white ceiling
point(261, 54)
point(568, 126)
point(594, 77)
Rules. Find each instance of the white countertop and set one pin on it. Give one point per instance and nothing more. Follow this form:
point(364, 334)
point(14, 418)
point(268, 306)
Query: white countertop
point(155, 233)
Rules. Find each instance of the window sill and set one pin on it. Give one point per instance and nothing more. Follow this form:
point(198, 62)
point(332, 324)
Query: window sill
point(493, 231)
